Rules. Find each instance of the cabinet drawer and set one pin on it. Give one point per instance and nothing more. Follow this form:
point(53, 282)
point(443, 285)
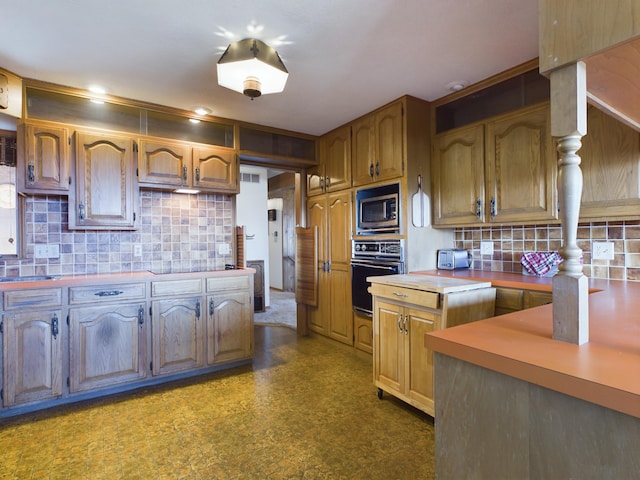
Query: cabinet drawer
point(42, 297)
point(218, 284)
point(534, 298)
point(508, 300)
point(107, 293)
point(176, 287)
point(407, 295)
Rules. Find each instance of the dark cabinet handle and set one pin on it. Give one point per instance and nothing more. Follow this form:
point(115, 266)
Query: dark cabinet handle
point(184, 173)
point(81, 211)
point(479, 208)
point(197, 174)
point(327, 182)
point(377, 169)
point(493, 209)
point(211, 307)
point(31, 175)
point(54, 326)
point(109, 293)
point(371, 170)
point(198, 309)
point(140, 315)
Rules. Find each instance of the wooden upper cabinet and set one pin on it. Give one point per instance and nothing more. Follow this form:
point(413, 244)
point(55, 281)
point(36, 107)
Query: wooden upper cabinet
point(378, 145)
point(610, 165)
point(389, 158)
point(215, 169)
point(315, 180)
point(503, 170)
point(164, 163)
point(335, 153)
point(105, 188)
point(362, 150)
point(458, 176)
point(521, 167)
point(45, 164)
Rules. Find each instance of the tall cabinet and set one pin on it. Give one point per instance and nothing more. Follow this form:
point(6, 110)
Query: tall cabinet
point(331, 214)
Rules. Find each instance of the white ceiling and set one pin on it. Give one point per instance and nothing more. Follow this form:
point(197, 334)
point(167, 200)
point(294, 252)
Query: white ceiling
point(345, 57)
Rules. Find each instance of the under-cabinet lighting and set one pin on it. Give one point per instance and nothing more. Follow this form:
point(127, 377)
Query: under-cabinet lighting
point(194, 120)
point(187, 190)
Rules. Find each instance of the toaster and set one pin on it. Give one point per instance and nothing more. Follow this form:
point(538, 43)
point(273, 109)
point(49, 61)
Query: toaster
point(453, 259)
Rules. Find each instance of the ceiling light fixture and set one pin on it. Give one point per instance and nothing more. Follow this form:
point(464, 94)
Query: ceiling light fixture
point(252, 67)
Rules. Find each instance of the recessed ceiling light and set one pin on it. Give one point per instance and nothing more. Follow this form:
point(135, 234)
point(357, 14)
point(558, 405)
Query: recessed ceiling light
point(456, 85)
point(97, 89)
point(202, 110)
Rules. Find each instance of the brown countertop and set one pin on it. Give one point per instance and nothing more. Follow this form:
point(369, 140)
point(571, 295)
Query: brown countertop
point(106, 278)
point(605, 371)
point(439, 284)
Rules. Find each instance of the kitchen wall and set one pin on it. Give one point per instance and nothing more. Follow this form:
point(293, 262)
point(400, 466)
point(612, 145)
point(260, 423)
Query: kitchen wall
point(510, 242)
point(177, 233)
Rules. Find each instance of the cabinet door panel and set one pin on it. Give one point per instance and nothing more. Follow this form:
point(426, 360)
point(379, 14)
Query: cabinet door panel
point(215, 169)
point(341, 316)
point(420, 360)
point(335, 153)
point(610, 165)
point(104, 194)
point(521, 168)
point(164, 163)
point(107, 345)
point(229, 327)
point(339, 226)
point(362, 151)
point(32, 357)
point(46, 162)
point(178, 338)
point(388, 339)
point(389, 143)
point(458, 177)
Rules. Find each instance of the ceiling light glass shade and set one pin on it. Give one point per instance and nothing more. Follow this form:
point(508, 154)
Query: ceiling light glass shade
point(253, 68)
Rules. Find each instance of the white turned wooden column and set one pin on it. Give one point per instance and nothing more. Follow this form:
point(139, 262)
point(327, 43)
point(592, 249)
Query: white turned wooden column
point(568, 125)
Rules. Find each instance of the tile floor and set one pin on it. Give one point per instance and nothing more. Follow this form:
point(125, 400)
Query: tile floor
point(305, 409)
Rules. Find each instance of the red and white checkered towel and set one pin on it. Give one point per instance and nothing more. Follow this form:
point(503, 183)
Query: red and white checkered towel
point(540, 263)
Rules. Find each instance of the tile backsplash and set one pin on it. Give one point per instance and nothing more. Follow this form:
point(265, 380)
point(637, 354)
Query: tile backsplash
point(510, 242)
point(177, 233)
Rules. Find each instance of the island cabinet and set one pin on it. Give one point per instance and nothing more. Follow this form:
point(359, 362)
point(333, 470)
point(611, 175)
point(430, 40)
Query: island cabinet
point(45, 164)
point(107, 335)
point(510, 300)
point(32, 346)
point(331, 214)
point(333, 171)
point(405, 308)
point(105, 190)
point(500, 170)
point(178, 325)
point(229, 319)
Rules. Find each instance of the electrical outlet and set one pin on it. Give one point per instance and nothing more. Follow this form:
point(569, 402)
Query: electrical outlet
point(137, 250)
point(223, 249)
point(486, 248)
point(602, 250)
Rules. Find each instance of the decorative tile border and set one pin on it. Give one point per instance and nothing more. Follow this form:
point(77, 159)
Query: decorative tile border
point(510, 242)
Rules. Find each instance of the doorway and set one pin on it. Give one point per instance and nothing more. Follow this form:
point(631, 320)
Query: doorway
point(270, 236)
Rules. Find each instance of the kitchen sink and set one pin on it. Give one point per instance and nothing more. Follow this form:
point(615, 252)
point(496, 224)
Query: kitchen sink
point(32, 278)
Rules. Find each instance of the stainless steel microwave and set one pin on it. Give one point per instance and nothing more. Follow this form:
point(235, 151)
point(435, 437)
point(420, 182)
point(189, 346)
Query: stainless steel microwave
point(377, 210)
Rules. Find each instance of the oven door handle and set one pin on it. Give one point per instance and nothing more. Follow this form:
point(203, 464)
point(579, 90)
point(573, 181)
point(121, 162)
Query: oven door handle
point(368, 265)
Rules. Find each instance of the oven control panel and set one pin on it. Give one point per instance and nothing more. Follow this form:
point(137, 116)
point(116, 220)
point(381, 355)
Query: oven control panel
point(390, 249)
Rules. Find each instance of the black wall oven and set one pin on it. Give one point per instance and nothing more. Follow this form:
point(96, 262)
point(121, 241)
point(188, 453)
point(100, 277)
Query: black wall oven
point(371, 258)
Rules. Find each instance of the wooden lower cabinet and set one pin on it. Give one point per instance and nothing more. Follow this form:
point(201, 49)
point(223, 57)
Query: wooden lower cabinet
point(229, 327)
point(177, 335)
point(362, 332)
point(106, 345)
point(32, 356)
point(510, 300)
